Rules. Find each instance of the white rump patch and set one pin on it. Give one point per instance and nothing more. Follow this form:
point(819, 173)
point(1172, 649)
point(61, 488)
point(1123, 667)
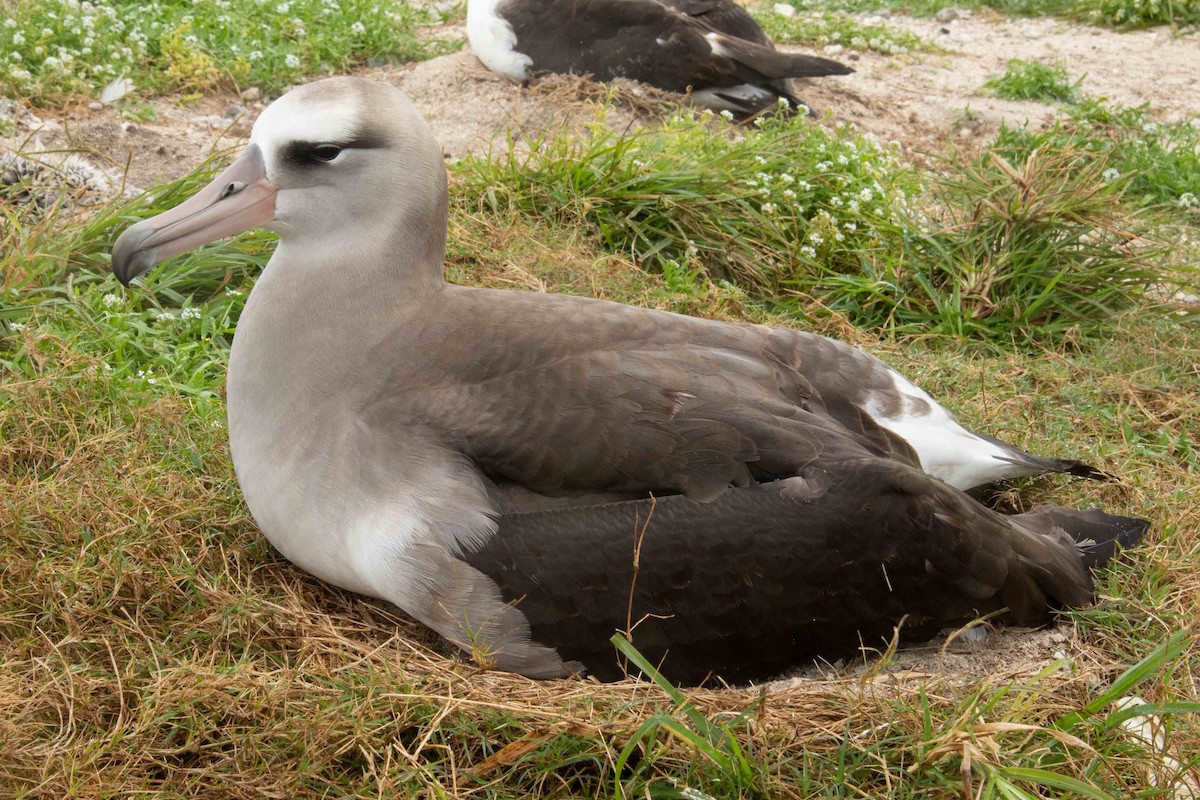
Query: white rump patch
point(494, 41)
point(947, 450)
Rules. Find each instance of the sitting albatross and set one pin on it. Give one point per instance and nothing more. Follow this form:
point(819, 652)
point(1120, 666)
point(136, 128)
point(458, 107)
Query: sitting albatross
point(712, 48)
point(485, 459)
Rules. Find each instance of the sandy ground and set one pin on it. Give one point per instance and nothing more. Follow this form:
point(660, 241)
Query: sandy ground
point(920, 100)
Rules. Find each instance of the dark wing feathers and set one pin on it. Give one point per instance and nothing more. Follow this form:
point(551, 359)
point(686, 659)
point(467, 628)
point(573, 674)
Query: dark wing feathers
point(830, 535)
point(723, 16)
point(757, 580)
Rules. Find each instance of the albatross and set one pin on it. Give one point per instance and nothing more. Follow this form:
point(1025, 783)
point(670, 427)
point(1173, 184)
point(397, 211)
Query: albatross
point(528, 473)
point(711, 48)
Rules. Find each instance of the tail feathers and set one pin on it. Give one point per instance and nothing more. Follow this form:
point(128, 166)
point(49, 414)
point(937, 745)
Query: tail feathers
point(1095, 533)
point(1068, 466)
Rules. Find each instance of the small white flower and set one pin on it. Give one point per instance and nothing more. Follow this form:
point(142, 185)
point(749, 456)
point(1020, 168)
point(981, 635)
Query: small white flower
point(824, 166)
point(17, 327)
point(292, 60)
point(815, 237)
point(189, 313)
point(789, 194)
point(808, 252)
point(283, 8)
point(783, 103)
point(760, 160)
point(786, 177)
point(358, 29)
point(18, 38)
point(1111, 174)
point(851, 226)
point(843, 160)
point(111, 300)
point(727, 115)
point(1188, 200)
point(164, 316)
point(255, 55)
point(768, 208)
point(10, 23)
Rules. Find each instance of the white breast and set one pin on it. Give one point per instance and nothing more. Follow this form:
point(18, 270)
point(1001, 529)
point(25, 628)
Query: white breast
point(493, 41)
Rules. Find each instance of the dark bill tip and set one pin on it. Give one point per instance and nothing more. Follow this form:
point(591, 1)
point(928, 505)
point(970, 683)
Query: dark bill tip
point(240, 198)
point(128, 258)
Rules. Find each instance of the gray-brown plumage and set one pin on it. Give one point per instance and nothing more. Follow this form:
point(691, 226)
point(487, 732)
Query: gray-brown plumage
point(483, 458)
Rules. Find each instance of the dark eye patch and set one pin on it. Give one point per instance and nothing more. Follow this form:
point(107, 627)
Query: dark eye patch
point(306, 154)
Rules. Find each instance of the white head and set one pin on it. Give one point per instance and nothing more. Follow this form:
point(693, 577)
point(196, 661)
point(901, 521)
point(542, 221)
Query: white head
point(339, 168)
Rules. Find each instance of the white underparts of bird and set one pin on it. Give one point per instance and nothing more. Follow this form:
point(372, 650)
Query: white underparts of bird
point(712, 49)
point(489, 460)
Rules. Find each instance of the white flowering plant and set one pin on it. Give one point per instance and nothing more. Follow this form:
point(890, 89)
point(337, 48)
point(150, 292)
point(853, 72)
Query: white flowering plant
point(821, 27)
point(53, 48)
point(765, 205)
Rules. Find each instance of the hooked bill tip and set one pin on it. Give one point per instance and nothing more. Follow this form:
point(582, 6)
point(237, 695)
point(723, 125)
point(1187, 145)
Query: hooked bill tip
point(129, 259)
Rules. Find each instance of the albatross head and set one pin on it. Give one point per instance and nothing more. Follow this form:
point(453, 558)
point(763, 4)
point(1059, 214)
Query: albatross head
point(332, 166)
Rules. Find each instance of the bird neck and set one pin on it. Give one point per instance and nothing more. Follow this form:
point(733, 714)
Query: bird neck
point(324, 301)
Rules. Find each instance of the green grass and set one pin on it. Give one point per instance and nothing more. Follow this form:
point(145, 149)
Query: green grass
point(173, 652)
point(56, 48)
point(1120, 14)
point(1159, 161)
point(153, 644)
point(1029, 80)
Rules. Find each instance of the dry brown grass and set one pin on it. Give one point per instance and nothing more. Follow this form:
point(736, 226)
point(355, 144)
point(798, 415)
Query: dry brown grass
point(151, 642)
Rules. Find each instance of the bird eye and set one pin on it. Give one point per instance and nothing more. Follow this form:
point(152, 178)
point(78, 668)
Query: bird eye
point(326, 152)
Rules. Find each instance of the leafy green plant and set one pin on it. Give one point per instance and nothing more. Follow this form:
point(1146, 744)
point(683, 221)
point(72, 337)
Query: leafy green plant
point(1029, 80)
point(1159, 162)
